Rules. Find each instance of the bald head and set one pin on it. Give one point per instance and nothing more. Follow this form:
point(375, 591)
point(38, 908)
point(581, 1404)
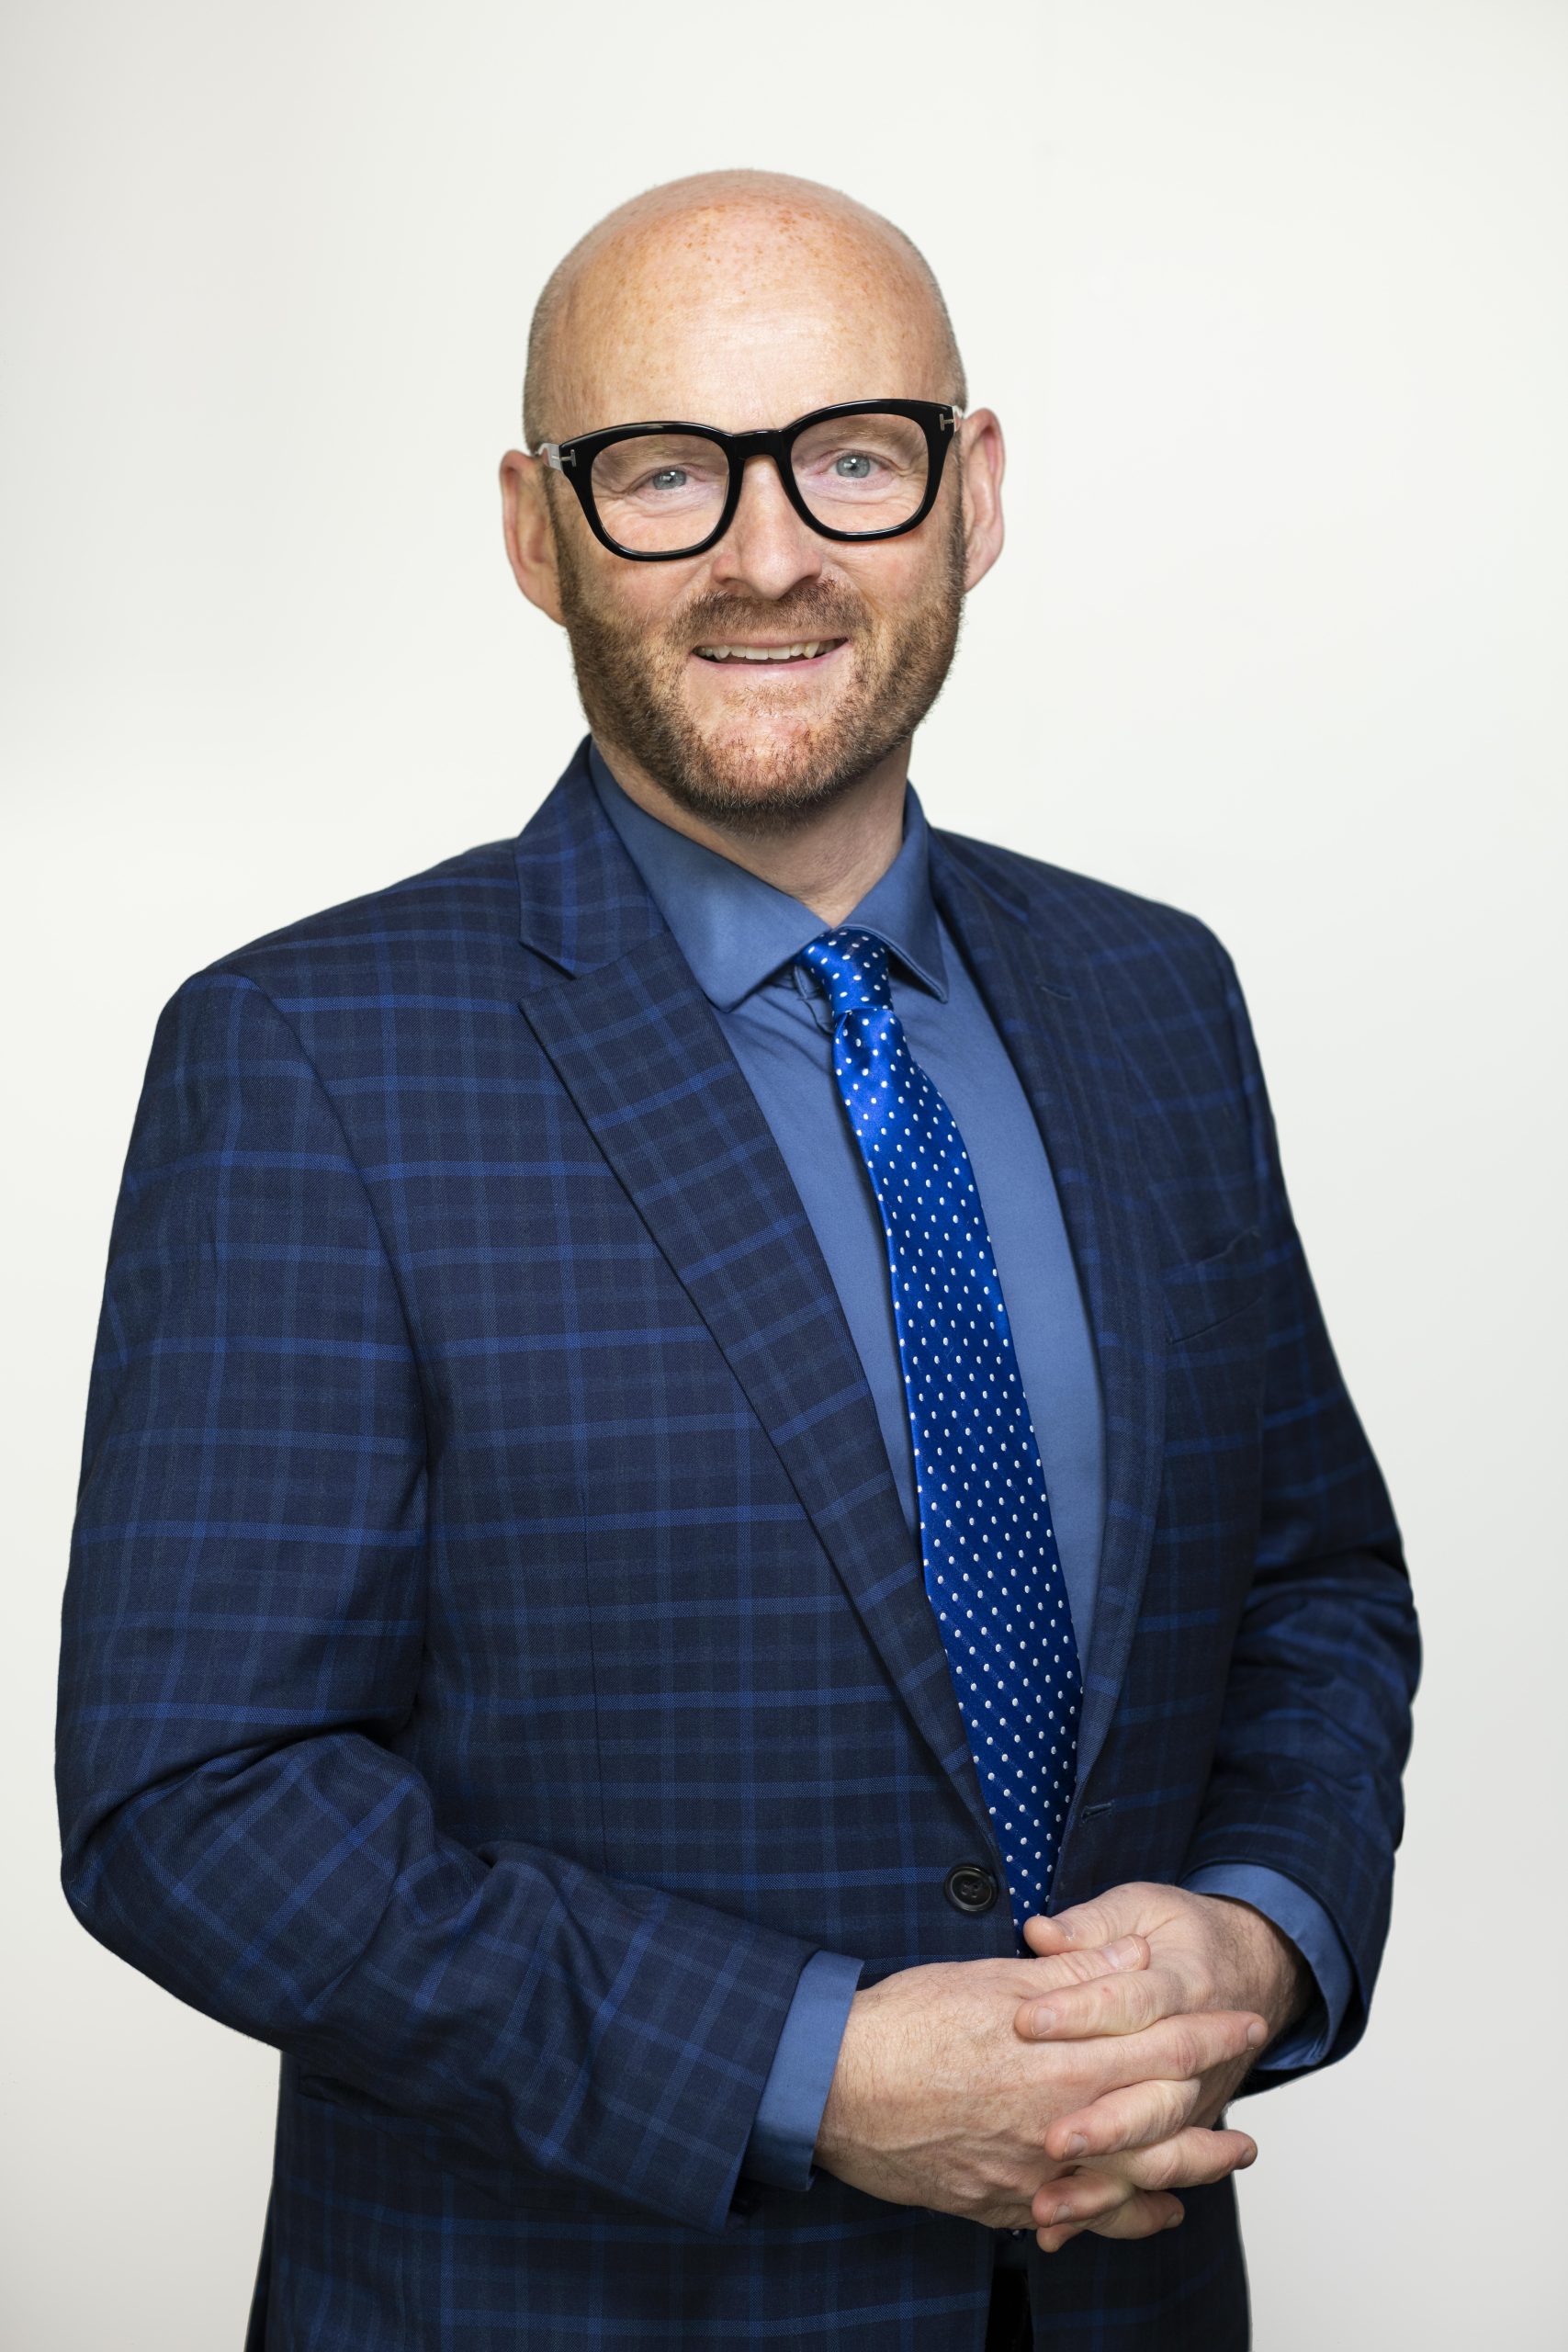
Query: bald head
point(700, 281)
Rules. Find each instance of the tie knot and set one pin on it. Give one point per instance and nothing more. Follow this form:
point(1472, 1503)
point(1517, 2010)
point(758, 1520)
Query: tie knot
point(854, 967)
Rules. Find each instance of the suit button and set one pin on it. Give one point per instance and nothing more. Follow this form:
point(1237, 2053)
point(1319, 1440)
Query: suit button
point(970, 1887)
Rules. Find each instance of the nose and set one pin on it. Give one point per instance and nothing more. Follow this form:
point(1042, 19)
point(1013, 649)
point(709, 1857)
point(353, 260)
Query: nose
point(767, 547)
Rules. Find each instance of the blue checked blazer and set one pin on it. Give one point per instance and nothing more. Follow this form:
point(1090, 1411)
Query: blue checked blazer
point(494, 1655)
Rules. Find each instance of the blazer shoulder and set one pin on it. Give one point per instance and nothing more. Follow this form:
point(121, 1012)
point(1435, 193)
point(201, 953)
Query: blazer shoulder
point(1103, 923)
point(454, 921)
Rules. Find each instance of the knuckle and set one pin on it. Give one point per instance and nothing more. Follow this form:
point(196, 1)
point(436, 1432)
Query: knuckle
point(1183, 2047)
point(1169, 2106)
point(1134, 2120)
point(1214, 2037)
point(1141, 2120)
point(1059, 1968)
point(1147, 1992)
point(1125, 2222)
point(1197, 2159)
point(1078, 2078)
point(1179, 2098)
point(1136, 2220)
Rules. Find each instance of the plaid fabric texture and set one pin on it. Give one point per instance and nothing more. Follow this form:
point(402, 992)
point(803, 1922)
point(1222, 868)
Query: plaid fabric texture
point(494, 1657)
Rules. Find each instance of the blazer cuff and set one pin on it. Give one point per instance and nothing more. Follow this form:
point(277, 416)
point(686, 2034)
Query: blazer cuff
point(789, 2115)
point(1300, 1917)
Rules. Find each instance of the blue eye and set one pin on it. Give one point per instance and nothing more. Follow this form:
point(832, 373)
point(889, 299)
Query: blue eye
point(853, 465)
point(668, 478)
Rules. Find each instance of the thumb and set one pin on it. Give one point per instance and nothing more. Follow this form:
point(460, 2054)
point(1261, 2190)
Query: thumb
point(1081, 1965)
point(1097, 1922)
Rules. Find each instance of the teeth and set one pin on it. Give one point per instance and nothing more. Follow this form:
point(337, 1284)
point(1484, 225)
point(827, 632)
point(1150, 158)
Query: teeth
point(802, 652)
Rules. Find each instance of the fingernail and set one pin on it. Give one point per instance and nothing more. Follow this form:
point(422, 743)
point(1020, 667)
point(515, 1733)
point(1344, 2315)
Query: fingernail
point(1174, 2222)
point(1063, 2214)
point(1076, 2144)
point(1251, 2159)
point(1122, 1953)
point(1257, 2032)
point(1042, 2020)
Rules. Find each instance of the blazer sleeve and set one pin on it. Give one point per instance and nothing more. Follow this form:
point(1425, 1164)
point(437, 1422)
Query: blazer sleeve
point(1316, 1721)
point(243, 1618)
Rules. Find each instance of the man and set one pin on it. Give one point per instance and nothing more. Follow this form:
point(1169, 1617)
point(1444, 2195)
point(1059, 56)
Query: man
point(722, 1576)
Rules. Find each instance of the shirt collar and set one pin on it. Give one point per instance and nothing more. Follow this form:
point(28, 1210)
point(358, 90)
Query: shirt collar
point(736, 931)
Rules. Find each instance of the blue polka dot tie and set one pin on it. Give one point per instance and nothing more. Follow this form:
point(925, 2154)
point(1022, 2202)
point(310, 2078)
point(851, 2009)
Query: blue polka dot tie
point(991, 1569)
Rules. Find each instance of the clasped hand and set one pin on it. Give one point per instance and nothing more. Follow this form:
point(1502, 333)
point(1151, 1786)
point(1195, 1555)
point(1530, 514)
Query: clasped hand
point(1163, 1952)
point(1143, 2010)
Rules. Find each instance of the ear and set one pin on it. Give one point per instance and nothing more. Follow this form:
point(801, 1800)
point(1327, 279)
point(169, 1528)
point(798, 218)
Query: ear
point(982, 459)
point(530, 536)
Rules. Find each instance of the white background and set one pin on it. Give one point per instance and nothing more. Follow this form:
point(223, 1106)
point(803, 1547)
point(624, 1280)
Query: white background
point(1269, 294)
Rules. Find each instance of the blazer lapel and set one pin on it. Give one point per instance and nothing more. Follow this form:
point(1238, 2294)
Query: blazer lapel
point(1055, 1024)
point(637, 1047)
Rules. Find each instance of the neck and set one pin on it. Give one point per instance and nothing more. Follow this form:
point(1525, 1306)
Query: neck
point(828, 858)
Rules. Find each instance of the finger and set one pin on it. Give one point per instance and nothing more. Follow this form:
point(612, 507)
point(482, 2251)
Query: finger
point(1053, 2241)
point(1139, 2214)
point(1137, 2116)
point(1048, 1975)
point(1081, 2196)
point(1095, 1922)
point(1188, 2159)
point(1119, 2001)
point(1143, 2217)
point(1133, 2118)
point(1177, 2046)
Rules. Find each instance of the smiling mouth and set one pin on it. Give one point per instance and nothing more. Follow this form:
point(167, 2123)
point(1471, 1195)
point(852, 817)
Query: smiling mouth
point(807, 648)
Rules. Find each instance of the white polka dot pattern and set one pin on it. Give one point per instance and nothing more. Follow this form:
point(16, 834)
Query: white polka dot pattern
point(991, 1568)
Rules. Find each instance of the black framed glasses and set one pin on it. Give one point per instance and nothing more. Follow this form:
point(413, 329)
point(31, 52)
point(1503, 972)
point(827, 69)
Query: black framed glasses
point(862, 469)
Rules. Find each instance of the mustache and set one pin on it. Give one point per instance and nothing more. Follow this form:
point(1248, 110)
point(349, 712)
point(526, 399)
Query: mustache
point(820, 610)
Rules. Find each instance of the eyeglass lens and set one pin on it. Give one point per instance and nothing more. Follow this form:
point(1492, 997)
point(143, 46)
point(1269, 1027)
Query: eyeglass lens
point(664, 492)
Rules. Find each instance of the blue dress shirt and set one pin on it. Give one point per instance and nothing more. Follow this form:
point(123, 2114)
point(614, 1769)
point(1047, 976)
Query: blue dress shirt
point(739, 935)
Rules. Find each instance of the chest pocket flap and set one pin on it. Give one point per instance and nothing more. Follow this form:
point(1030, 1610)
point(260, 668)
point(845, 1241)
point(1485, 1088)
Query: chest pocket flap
point(1209, 1291)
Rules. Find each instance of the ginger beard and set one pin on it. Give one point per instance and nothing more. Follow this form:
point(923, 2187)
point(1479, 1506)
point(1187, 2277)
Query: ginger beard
point(761, 770)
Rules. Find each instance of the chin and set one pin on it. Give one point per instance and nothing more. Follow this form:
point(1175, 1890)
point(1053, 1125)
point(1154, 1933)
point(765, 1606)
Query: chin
point(747, 755)
point(788, 768)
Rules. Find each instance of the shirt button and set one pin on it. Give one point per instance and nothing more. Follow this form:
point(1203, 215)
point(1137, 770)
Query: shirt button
point(970, 1888)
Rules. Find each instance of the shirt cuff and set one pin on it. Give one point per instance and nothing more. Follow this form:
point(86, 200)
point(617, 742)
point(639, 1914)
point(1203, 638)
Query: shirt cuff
point(789, 2115)
point(1300, 1917)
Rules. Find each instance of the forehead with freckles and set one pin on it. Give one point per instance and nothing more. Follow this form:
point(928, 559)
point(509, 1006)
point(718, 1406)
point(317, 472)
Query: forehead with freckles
point(737, 304)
